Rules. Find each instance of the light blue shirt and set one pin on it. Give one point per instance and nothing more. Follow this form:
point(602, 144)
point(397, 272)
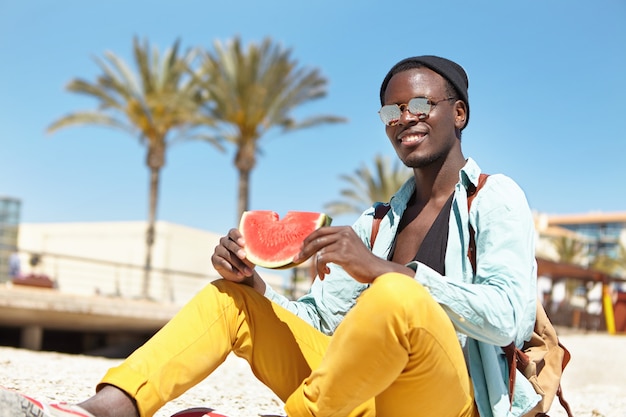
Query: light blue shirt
point(489, 309)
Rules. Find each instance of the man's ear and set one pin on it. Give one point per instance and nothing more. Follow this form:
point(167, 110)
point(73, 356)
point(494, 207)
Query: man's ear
point(460, 119)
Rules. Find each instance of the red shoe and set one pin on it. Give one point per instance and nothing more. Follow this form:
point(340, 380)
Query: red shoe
point(206, 412)
point(198, 412)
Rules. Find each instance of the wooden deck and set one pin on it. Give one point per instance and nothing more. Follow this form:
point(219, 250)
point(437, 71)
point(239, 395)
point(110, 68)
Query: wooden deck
point(34, 309)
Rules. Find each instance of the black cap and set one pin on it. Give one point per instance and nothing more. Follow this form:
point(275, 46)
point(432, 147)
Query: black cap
point(449, 70)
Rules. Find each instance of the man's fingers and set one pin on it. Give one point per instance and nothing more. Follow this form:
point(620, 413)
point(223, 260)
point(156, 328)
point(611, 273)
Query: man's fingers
point(316, 242)
point(231, 258)
point(321, 261)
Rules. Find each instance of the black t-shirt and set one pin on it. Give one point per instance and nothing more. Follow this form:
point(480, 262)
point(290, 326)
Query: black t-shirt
point(432, 251)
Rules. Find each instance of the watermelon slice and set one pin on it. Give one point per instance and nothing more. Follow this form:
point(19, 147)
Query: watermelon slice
point(273, 243)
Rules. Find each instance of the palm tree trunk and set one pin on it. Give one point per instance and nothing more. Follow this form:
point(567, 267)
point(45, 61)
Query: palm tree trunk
point(244, 161)
point(243, 193)
point(154, 194)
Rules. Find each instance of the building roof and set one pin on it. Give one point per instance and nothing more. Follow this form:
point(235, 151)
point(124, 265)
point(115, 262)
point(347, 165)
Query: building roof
point(588, 218)
point(557, 232)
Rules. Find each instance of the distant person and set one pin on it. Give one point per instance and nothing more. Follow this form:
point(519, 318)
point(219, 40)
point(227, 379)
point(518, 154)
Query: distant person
point(406, 328)
point(593, 309)
point(544, 288)
point(559, 293)
point(15, 268)
point(35, 260)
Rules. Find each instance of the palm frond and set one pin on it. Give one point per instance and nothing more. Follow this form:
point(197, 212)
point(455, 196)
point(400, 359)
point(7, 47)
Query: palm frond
point(257, 88)
point(570, 250)
point(107, 100)
point(158, 100)
point(90, 118)
point(366, 187)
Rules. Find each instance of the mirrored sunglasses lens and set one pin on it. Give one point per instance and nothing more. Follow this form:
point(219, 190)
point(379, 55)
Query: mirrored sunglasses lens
point(419, 106)
point(389, 114)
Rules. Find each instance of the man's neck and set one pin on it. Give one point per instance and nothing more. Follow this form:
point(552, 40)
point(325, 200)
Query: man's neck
point(436, 183)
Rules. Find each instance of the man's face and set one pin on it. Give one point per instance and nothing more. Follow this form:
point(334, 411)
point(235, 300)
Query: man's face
point(422, 141)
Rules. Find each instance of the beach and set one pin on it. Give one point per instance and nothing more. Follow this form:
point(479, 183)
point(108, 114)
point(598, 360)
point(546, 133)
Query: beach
point(594, 382)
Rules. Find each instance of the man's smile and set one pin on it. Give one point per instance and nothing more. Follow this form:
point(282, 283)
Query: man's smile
point(410, 137)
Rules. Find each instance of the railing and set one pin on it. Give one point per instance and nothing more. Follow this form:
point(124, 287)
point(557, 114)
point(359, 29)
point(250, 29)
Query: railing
point(83, 275)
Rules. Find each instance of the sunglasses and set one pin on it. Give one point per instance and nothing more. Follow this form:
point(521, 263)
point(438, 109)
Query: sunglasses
point(419, 106)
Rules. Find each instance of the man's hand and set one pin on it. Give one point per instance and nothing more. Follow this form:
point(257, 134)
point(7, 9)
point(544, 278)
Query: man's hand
point(341, 245)
point(229, 258)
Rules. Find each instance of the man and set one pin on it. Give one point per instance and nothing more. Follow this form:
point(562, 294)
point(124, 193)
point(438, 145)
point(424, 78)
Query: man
point(404, 328)
point(15, 269)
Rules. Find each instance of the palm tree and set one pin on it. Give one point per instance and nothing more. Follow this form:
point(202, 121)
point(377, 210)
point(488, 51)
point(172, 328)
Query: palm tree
point(158, 104)
point(612, 265)
point(252, 91)
point(620, 261)
point(366, 187)
point(570, 250)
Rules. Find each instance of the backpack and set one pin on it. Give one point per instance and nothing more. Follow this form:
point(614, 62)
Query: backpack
point(542, 359)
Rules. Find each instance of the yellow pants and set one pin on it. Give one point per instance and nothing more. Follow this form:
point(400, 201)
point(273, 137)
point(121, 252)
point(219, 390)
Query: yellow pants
point(395, 354)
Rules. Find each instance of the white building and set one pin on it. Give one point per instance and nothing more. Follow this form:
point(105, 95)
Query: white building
point(107, 258)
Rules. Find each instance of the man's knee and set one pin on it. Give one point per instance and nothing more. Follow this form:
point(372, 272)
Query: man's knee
point(399, 290)
point(401, 296)
point(232, 289)
point(223, 284)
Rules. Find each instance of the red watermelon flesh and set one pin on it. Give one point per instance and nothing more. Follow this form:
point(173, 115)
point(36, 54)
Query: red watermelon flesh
point(272, 242)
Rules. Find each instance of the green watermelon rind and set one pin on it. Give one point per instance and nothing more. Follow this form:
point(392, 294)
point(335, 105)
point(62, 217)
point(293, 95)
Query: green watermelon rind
point(287, 262)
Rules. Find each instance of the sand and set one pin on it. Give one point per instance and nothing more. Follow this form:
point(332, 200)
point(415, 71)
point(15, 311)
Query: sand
point(594, 382)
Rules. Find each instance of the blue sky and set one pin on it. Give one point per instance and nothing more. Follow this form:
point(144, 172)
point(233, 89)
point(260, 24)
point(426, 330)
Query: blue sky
point(547, 87)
